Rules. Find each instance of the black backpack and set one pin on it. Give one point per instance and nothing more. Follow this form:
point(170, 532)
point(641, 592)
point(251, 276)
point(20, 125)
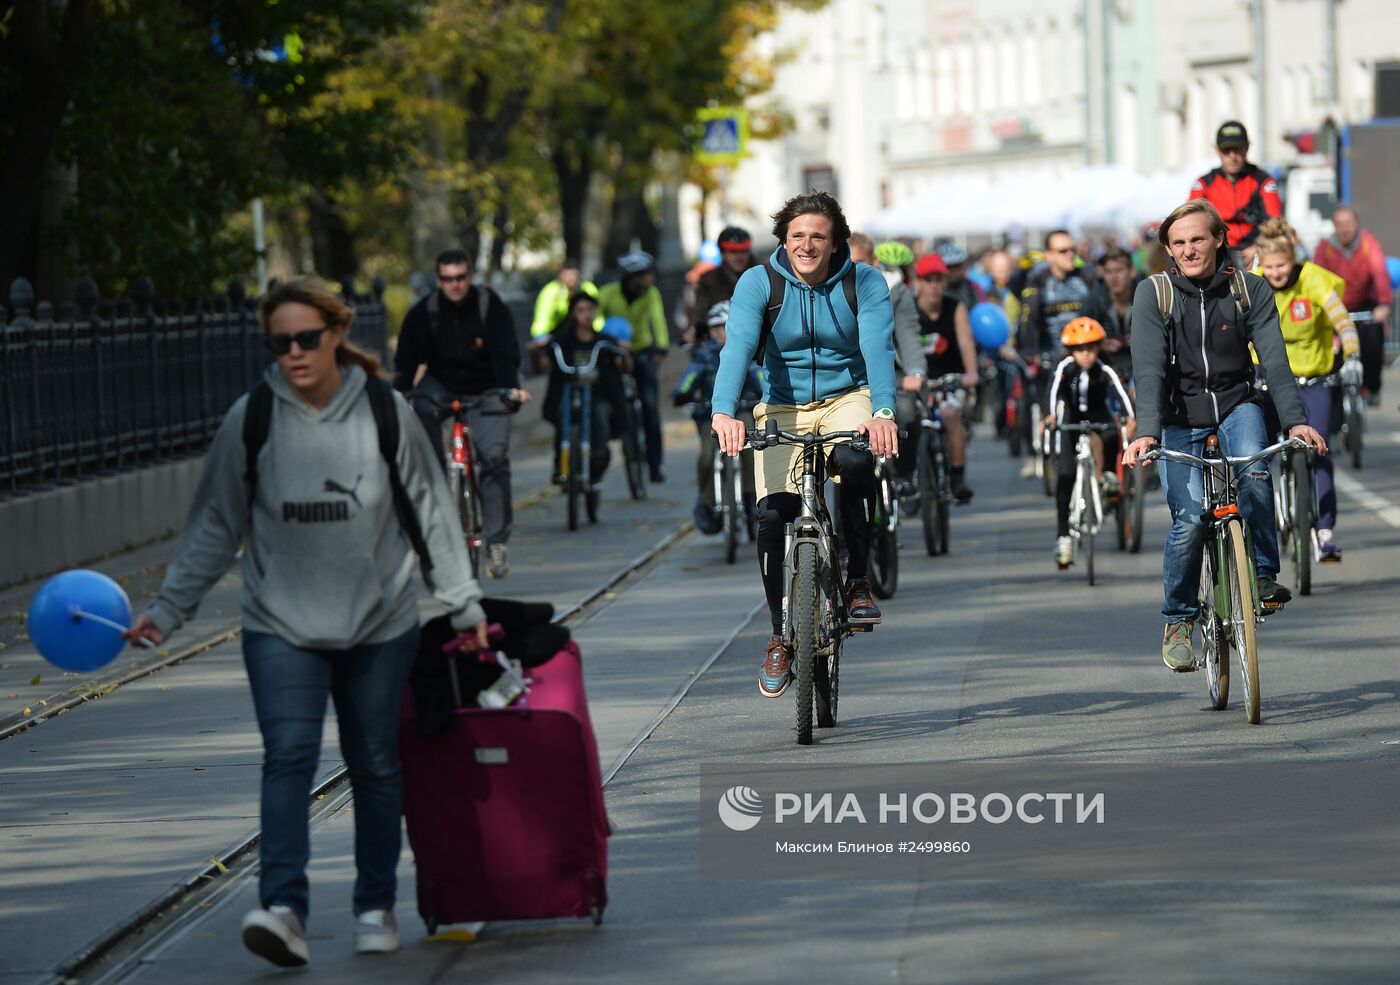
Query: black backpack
point(257, 422)
point(777, 294)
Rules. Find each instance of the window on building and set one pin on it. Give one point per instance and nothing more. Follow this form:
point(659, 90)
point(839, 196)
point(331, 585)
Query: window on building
point(966, 82)
point(987, 88)
point(1030, 71)
point(1009, 71)
point(944, 82)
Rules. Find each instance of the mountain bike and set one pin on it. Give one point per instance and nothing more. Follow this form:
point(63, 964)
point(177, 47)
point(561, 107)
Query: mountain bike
point(1230, 607)
point(816, 619)
point(729, 500)
point(1031, 410)
point(883, 570)
point(933, 472)
point(576, 432)
point(462, 484)
point(1354, 407)
point(1295, 503)
point(1086, 503)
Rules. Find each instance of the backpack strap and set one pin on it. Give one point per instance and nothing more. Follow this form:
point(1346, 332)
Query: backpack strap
point(848, 284)
point(1166, 295)
point(777, 293)
point(1240, 291)
point(386, 422)
point(257, 422)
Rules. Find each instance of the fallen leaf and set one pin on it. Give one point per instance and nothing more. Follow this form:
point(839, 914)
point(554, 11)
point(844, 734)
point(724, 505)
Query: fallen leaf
point(43, 703)
point(162, 653)
point(26, 713)
point(34, 681)
point(218, 864)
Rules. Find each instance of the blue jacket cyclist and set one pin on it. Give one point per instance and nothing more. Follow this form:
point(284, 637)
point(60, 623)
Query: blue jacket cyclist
point(828, 366)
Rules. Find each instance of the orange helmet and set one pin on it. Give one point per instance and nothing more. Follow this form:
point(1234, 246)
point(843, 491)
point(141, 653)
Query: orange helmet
point(1082, 331)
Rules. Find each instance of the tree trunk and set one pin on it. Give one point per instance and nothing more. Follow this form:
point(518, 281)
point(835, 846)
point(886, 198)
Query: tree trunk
point(500, 236)
point(631, 221)
point(47, 45)
point(332, 243)
point(574, 171)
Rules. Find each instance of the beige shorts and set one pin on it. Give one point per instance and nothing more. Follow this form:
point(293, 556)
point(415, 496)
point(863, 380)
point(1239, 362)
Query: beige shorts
point(776, 466)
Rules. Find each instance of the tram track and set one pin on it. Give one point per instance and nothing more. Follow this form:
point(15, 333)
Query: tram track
point(115, 953)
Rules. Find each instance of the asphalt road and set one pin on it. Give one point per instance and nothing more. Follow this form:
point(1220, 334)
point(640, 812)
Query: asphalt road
point(986, 655)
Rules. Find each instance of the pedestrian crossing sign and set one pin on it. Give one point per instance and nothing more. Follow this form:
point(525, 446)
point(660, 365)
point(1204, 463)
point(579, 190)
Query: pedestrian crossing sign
point(724, 134)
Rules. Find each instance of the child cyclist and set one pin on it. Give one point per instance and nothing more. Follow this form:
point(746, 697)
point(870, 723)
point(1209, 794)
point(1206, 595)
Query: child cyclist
point(1084, 390)
point(695, 388)
point(576, 338)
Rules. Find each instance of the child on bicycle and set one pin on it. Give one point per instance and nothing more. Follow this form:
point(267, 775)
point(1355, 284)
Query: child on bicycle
point(1084, 390)
point(576, 338)
point(695, 388)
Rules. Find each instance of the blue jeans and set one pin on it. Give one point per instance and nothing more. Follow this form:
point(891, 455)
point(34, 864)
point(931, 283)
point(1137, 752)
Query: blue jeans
point(290, 686)
point(1241, 433)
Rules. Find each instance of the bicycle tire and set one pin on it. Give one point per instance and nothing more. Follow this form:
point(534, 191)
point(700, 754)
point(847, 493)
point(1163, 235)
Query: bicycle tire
point(1215, 649)
point(1243, 628)
point(1302, 522)
point(1049, 471)
point(573, 482)
point(591, 498)
point(1354, 430)
point(928, 495)
point(1139, 495)
point(944, 501)
point(883, 569)
point(827, 688)
point(803, 602)
point(730, 510)
point(458, 490)
point(633, 464)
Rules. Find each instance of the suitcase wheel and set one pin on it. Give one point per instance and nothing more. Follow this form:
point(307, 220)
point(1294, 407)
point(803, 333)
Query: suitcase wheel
point(597, 914)
point(431, 924)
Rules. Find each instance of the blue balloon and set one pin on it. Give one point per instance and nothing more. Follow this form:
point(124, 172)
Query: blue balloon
point(1392, 267)
point(989, 325)
point(618, 329)
point(981, 278)
point(69, 617)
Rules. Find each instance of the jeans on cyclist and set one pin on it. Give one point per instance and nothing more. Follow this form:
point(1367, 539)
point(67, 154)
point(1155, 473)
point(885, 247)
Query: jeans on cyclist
point(1242, 433)
point(490, 428)
point(857, 473)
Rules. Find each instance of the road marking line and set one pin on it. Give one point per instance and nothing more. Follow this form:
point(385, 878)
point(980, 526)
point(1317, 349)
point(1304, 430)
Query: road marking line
point(1367, 499)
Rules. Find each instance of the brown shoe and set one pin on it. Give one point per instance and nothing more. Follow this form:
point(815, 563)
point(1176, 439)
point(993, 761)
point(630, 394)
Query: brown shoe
point(860, 602)
point(776, 673)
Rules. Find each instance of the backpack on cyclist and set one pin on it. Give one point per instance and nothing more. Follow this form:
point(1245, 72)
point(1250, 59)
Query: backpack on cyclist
point(483, 305)
point(257, 422)
point(777, 294)
point(1166, 294)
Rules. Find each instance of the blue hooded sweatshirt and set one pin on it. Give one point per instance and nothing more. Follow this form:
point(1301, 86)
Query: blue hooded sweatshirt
point(816, 350)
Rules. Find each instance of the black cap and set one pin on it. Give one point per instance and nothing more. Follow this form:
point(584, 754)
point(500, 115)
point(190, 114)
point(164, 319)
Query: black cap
point(1232, 134)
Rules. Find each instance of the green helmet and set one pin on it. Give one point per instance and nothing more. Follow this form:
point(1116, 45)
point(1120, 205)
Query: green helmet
point(893, 253)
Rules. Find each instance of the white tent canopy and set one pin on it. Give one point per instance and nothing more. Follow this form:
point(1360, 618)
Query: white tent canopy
point(1093, 197)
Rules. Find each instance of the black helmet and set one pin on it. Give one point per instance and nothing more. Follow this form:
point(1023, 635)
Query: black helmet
point(735, 240)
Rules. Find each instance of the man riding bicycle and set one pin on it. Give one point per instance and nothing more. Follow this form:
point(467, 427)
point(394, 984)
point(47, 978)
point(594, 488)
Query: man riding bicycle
point(464, 336)
point(1195, 377)
point(829, 366)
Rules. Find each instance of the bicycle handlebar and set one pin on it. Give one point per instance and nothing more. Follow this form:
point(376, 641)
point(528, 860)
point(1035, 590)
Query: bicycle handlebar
point(1102, 427)
point(759, 440)
point(467, 402)
point(1201, 463)
point(589, 367)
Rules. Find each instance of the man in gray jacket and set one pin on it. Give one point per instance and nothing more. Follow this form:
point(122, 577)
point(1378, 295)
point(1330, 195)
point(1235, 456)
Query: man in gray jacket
point(1195, 377)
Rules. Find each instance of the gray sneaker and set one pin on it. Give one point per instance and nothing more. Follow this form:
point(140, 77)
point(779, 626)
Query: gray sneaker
point(1176, 646)
point(276, 934)
point(497, 566)
point(376, 932)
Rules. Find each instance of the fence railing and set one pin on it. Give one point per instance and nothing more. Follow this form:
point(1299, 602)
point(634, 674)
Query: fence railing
point(97, 386)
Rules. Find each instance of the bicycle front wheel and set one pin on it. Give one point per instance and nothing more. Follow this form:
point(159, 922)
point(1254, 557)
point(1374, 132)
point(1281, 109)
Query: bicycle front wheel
point(883, 567)
point(573, 479)
point(805, 619)
point(928, 495)
point(1354, 430)
point(1243, 627)
point(468, 514)
point(1215, 650)
point(1302, 523)
point(633, 461)
point(1136, 490)
point(729, 506)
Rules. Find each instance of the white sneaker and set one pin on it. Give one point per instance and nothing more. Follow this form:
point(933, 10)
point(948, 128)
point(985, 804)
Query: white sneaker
point(1064, 552)
point(376, 932)
point(497, 566)
point(276, 934)
point(1028, 469)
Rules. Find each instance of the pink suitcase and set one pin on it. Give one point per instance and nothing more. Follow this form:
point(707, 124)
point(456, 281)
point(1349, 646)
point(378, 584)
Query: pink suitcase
point(505, 809)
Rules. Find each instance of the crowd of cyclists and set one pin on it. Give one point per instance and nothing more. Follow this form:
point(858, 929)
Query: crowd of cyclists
point(835, 331)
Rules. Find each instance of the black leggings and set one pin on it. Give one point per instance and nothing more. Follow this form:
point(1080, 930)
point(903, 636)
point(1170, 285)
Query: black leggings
point(777, 510)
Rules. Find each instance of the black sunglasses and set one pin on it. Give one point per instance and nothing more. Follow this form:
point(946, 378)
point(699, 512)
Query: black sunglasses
point(308, 339)
point(458, 279)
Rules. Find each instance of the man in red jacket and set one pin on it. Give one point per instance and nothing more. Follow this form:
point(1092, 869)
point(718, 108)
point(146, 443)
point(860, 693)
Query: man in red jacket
point(1355, 255)
point(1242, 193)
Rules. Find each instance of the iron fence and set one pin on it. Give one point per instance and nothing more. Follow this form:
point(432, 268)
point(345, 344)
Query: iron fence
point(98, 386)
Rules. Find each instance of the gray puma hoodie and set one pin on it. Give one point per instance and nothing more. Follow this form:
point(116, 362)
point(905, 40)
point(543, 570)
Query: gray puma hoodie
point(326, 563)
